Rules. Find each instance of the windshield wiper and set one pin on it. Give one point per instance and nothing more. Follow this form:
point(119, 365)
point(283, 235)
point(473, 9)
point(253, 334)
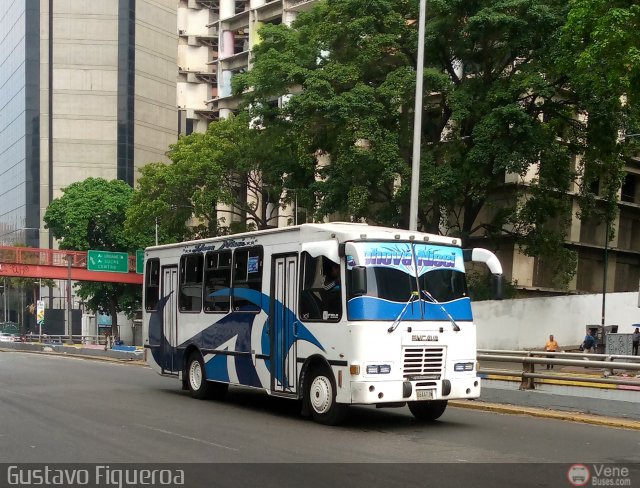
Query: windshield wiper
point(400, 316)
point(433, 300)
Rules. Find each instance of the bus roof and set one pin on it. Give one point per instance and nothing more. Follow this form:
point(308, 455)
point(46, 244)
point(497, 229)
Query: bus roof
point(341, 231)
point(348, 231)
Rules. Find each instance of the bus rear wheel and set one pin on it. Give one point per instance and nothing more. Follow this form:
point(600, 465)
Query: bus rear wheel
point(321, 397)
point(428, 411)
point(197, 382)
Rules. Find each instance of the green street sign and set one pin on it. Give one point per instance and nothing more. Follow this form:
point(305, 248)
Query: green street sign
point(140, 261)
point(114, 262)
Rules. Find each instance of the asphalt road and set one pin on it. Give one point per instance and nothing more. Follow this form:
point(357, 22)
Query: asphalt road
point(70, 410)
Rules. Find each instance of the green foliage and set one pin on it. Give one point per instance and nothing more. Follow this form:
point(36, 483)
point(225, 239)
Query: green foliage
point(218, 167)
point(507, 89)
point(480, 287)
point(599, 53)
point(90, 215)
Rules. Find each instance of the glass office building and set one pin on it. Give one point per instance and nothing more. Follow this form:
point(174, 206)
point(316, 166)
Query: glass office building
point(19, 122)
point(87, 89)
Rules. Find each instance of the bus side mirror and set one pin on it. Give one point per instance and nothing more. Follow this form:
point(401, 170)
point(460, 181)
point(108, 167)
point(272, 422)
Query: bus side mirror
point(496, 287)
point(359, 281)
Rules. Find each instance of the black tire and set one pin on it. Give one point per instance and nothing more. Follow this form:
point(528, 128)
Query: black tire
point(428, 411)
point(197, 382)
point(320, 395)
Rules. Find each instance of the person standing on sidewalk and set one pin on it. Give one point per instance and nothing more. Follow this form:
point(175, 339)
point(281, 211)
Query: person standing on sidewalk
point(551, 346)
point(635, 341)
point(589, 343)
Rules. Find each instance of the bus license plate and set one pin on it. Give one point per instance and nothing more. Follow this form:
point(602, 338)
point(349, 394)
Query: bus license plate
point(424, 394)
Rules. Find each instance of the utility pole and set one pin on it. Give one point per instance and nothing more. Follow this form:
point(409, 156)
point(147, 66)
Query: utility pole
point(417, 122)
point(605, 272)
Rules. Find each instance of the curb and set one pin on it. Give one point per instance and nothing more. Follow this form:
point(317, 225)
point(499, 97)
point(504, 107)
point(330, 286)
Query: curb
point(549, 414)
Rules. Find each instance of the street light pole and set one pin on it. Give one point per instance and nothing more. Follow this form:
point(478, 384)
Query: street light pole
point(156, 230)
point(605, 272)
point(417, 122)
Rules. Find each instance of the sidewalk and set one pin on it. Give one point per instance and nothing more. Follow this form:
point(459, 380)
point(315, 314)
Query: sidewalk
point(567, 394)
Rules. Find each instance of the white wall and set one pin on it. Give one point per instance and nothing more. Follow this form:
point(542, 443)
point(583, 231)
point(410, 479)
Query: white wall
point(527, 323)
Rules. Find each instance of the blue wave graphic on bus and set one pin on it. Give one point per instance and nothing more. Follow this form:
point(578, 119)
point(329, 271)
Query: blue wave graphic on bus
point(237, 324)
point(373, 308)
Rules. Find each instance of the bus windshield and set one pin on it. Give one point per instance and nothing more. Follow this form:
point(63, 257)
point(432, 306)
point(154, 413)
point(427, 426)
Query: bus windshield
point(396, 271)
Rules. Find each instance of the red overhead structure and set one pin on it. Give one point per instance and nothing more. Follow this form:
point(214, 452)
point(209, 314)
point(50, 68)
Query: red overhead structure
point(30, 262)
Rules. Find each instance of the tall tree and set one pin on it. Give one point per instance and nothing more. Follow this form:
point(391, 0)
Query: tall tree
point(90, 215)
point(599, 51)
point(500, 128)
point(234, 163)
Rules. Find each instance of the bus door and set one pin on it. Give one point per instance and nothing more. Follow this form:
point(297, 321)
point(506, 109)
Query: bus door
point(283, 323)
point(169, 337)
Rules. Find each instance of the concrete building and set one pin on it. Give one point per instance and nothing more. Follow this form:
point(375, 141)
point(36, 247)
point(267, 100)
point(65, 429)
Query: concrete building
point(87, 88)
point(618, 260)
point(215, 41)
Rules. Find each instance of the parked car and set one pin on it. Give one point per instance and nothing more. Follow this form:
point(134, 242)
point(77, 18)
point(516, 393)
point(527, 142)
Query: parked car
point(9, 328)
point(4, 337)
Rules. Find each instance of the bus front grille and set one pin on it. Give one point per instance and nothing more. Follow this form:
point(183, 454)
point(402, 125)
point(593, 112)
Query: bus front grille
point(423, 363)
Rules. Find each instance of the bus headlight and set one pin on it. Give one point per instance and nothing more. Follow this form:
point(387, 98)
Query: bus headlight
point(463, 367)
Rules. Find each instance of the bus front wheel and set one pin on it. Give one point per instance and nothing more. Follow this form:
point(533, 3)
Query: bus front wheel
point(428, 411)
point(321, 395)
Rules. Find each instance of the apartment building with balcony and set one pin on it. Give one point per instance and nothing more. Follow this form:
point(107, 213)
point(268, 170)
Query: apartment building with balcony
point(215, 38)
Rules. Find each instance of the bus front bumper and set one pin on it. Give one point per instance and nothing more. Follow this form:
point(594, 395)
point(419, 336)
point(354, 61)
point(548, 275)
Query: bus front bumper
point(379, 392)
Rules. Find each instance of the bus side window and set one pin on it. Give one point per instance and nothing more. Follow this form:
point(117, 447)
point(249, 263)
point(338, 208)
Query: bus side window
point(320, 290)
point(152, 285)
point(217, 281)
point(247, 273)
point(190, 298)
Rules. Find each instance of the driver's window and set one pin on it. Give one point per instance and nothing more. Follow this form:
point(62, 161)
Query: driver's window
point(320, 290)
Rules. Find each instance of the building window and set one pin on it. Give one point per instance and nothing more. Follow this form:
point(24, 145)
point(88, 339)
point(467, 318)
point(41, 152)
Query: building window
point(217, 281)
point(190, 298)
point(629, 186)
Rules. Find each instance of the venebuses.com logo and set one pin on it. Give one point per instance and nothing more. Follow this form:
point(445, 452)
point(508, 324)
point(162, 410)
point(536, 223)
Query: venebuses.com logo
point(598, 475)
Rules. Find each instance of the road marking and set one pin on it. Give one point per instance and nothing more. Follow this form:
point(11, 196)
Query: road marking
point(162, 431)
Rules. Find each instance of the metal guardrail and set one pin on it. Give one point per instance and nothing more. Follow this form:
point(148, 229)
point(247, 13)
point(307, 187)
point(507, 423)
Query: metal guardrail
point(65, 339)
point(528, 359)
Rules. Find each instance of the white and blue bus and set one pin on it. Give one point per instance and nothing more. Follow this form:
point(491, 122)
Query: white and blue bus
point(331, 314)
